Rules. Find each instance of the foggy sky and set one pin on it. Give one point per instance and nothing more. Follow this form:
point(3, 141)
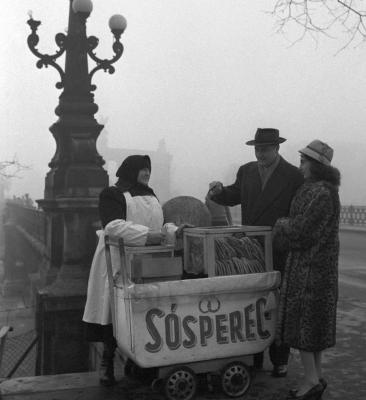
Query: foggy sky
point(203, 75)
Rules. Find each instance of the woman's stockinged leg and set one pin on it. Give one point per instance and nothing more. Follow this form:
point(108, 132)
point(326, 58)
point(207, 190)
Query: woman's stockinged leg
point(311, 377)
point(318, 362)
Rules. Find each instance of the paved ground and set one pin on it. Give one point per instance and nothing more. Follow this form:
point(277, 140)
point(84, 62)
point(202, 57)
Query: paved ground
point(344, 368)
point(344, 365)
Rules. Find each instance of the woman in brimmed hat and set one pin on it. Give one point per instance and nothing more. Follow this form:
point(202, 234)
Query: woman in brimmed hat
point(309, 292)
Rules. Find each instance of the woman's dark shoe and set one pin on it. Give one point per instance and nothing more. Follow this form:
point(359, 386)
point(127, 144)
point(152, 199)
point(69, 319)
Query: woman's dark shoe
point(312, 394)
point(323, 382)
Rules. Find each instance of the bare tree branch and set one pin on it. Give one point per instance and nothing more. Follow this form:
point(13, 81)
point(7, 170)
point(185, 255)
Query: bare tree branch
point(322, 17)
point(12, 168)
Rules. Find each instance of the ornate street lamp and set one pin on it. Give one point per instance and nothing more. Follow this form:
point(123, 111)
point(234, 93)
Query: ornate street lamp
point(76, 176)
point(76, 43)
point(73, 183)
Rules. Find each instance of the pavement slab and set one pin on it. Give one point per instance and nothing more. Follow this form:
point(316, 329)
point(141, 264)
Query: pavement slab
point(344, 369)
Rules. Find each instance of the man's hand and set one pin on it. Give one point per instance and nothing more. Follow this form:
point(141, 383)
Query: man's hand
point(179, 231)
point(215, 188)
point(154, 238)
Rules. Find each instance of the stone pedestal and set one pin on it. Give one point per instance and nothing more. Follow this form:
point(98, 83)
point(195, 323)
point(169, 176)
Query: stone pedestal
point(60, 305)
point(61, 348)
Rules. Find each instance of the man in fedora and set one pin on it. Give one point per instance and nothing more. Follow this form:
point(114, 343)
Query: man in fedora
point(264, 189)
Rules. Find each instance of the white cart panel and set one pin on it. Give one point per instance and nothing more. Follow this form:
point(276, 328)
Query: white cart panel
point(174, 322)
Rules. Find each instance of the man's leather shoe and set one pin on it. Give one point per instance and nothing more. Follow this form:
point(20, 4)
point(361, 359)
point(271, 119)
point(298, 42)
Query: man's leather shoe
point(279, 371)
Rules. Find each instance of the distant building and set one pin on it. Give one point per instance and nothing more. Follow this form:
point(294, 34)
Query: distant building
point(161, 162)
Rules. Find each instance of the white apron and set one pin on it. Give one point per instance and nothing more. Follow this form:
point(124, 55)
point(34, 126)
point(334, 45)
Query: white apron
point(143, 213)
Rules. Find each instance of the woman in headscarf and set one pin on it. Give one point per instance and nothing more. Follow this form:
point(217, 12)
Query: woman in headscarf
point(309, 292)
point(129, 210)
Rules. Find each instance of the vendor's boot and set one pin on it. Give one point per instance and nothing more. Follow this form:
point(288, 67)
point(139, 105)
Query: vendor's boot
point(106, 372)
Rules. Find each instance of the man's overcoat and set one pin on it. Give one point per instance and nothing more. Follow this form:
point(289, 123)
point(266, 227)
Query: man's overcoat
point(262, 207)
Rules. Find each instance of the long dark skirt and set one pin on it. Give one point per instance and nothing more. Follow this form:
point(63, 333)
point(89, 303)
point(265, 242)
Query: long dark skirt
point(97, 332)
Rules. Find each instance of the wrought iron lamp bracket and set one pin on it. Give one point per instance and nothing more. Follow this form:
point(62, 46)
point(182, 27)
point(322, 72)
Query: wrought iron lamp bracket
point(106, 65)
point(47, 59)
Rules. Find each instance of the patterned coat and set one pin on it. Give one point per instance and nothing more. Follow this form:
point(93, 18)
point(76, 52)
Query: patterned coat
point(309, 292)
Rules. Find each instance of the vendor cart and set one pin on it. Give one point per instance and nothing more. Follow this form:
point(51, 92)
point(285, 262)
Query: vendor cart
point(187, 327)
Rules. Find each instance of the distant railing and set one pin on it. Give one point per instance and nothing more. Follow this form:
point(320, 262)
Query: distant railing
point(353, 215)
point(350, 215)
point(26, 251)
point(32, 220)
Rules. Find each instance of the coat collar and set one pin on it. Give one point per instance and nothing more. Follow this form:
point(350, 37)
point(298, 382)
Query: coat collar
point(274, 187)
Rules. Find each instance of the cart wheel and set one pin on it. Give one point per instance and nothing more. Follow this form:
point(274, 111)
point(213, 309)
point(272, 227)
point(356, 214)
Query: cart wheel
point(180, 384)
point(235, 379)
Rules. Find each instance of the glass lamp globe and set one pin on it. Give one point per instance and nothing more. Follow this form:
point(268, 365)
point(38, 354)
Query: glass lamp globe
point(117, 23)
point(82, 6)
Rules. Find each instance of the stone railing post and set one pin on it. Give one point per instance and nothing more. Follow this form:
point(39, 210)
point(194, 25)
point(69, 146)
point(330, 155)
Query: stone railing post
point(351, 215)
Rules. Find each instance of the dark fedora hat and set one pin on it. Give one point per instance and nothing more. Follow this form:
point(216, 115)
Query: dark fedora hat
point(265, 136)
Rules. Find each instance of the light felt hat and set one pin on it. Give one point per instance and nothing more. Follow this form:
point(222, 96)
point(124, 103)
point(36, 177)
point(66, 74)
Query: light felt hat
point(318, 151)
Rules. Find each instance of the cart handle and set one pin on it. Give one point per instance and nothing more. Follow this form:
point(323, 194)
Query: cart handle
point(117, 242)
point(228, 216)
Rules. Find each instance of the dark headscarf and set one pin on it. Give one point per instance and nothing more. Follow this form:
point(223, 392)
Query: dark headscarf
point(128, 172)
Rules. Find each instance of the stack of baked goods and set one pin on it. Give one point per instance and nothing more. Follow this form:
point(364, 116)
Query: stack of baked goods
point(238, 255)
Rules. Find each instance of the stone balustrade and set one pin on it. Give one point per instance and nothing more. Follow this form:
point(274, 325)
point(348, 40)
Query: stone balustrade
point(26, 252)
point(29, 219)
point(353, 215)
point(350, 215)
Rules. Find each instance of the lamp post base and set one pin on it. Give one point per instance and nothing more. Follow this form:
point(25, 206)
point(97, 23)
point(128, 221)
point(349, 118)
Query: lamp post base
point(61, 344)
point(60, 305)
